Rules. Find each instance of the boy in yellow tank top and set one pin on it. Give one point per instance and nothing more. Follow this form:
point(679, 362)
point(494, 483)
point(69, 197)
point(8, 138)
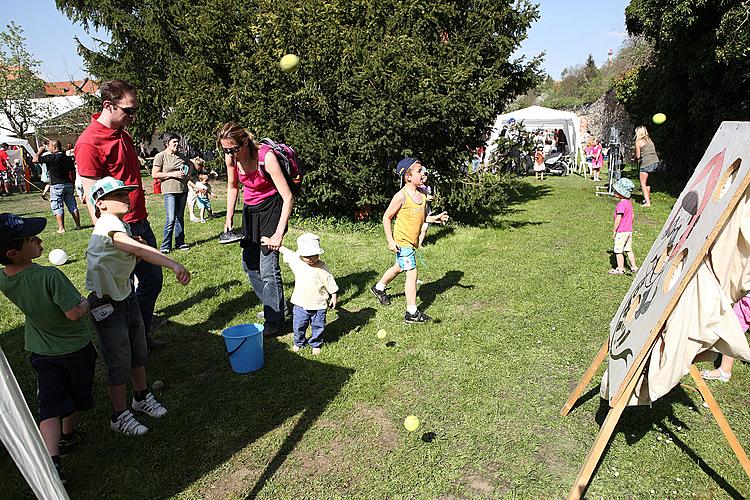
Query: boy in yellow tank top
point(409, 206)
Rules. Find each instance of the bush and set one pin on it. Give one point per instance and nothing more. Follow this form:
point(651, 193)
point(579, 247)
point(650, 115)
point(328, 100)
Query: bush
point(475, 198)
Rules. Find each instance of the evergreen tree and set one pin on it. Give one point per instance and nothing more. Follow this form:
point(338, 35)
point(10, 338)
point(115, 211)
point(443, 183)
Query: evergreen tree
point(379, 79)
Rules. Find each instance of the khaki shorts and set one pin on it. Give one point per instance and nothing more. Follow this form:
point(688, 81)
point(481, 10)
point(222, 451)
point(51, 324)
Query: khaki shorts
point(623, 242)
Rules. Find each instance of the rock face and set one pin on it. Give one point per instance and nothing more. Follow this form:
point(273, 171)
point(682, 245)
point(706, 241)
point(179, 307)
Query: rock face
point(601, 115)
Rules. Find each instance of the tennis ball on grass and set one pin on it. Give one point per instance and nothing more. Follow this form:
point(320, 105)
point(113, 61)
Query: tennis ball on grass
point(659, 118)
point(289, 63)
point(411, 423)
point(381, 334)
point(158, 385)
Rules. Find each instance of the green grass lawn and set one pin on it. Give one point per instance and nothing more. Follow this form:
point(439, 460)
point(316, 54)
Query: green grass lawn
point(520, 307)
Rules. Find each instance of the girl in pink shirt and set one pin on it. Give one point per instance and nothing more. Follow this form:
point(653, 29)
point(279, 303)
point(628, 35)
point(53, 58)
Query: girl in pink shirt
point(623, 227)
point(598, 161)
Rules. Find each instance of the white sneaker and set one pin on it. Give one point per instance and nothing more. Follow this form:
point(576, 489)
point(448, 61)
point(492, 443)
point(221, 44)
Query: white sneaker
point(128, 425)
point(194, 219)
point(150, 406)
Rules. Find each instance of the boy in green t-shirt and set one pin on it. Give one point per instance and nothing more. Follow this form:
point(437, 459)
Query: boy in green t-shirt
point(59, 342)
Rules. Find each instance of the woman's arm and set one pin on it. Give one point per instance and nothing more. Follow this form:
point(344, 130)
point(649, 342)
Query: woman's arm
point(638, 150)
point(279, 181)
point(231, 190)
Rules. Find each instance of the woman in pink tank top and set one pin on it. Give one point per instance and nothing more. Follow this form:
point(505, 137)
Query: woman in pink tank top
point(267, 206)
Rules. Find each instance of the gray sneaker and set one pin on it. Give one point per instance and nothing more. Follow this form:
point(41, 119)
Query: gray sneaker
point(150, 406)
point(381, 296)
point(128, 425)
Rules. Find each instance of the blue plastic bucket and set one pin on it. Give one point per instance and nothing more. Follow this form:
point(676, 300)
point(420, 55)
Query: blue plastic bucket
point(245, 347)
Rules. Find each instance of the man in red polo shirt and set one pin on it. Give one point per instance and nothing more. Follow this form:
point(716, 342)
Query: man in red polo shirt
point(105, 149)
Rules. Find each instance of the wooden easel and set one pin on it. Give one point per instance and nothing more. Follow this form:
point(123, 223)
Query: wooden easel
point(605, 433)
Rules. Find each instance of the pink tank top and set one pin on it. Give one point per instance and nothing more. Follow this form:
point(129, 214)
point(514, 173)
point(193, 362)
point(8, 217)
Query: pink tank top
point(257, 187)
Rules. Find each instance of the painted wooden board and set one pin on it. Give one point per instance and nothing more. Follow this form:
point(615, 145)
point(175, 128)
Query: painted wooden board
point(706, 203)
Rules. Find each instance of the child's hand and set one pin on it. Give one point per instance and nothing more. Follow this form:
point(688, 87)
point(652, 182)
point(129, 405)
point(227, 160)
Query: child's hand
point(332, 303)
point(182, 274)
point(393, 247)
point(430, 197)
point(441, 218)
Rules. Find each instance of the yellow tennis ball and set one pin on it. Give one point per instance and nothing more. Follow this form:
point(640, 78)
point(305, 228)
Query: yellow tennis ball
point(289, 63)
point(381, 334)
point(411, 423)
point(659, 118)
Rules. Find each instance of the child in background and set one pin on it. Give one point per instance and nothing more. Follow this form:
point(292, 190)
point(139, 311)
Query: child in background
point(427, 191)
point(597, 159)
point(313, 283)
point(110, 259)
point(59, 341)
point(203, 194)
point(409, 206)
point(192, 194)
point(623, 228)
point(539, 166)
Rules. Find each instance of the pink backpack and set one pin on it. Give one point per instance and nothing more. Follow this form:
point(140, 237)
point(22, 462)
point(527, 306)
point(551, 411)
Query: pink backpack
point(288, 159)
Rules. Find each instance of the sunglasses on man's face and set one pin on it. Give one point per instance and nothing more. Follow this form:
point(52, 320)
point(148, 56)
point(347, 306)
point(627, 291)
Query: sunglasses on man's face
point(233, 150)
point(127, 111)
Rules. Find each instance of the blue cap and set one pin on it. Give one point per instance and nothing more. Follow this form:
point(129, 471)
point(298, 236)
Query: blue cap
point(404, 165)
point(107, 185)
point(624, 187)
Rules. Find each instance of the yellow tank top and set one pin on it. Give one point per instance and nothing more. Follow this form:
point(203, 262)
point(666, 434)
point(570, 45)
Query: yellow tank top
point(409, 220)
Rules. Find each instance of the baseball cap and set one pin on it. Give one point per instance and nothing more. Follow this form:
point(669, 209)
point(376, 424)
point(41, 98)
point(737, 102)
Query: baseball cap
point(13, 227)
point(404, 165)
point(107, 185)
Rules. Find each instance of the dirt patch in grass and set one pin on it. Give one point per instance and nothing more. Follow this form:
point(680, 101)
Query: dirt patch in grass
point(484, 483)
point(231, 483)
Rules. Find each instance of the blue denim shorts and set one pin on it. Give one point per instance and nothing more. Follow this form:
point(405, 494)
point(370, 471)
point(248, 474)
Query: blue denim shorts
point(406, 258)
point(61, 195)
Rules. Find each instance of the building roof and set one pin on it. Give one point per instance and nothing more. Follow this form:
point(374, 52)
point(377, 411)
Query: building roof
point(70, 88)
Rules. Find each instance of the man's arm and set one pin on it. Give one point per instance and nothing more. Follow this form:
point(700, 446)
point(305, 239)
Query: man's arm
point(88, 183)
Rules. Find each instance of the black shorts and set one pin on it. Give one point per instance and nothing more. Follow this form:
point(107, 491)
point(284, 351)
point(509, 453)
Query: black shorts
point(64, 383)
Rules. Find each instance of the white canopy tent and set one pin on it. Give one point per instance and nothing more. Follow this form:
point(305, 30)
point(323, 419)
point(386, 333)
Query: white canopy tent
point(15, 141)
point(536, 117)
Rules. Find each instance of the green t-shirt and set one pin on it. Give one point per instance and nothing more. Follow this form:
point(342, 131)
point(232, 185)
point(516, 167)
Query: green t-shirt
point(44, 294)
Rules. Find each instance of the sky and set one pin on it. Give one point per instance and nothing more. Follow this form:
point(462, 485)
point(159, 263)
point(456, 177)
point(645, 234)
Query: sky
point(567, 31)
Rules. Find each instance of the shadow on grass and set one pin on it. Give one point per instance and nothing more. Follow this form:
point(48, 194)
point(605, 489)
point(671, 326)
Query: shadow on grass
point(637, 421)
point(359, 281)
point(347, 322)
point(205, 294)
point(214, 414)
point(429, 291)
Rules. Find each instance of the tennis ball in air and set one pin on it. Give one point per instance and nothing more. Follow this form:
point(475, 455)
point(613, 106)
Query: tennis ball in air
point(411, 423)
point(58, 257)
point(659, 118)
point(158, 385)
point(289, 63)
point(381, 334)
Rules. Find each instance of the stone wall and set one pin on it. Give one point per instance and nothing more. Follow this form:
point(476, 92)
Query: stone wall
point(601, 115)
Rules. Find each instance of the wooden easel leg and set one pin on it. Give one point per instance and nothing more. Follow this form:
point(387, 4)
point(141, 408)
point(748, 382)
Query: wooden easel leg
point(720, 419)
point(595, 453)
point(587, 376)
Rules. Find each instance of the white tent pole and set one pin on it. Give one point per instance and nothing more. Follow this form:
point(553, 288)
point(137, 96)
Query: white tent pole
point(21, 437)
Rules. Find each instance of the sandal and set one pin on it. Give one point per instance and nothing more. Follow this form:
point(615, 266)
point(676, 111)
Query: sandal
point(616, 271)
point(722, 375)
